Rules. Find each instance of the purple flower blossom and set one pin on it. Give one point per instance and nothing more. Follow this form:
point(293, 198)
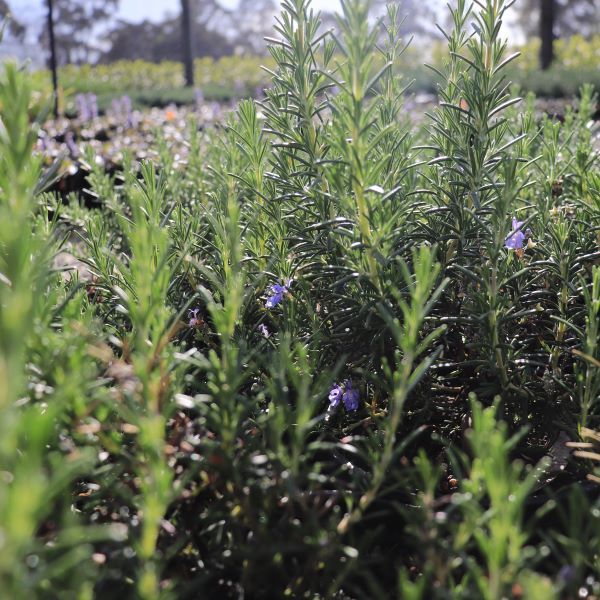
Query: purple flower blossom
point(71, 145)
point(127, 108)
point(87, 106)
point(216, 111)
point(122, 110)
point(335, 395)
point(350, 396)
point(92, 102)
point(194, 320)
point(42, 142)
point(83, 112)
point(515, 240)
point(264, 331)
point(198, 98)
point(567, 573)
point(126, 104)
point(278, 292)
point(115, 107)
point(345, 393)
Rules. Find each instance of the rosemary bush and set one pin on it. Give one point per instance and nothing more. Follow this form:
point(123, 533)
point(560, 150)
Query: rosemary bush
point(338, 356)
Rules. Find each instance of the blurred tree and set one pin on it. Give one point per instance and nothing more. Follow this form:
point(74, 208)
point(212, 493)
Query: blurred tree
point(547, 24)
point(16, 28)
point(74, 21)
point(161, 41)
point(252, 21)
point(551, 19)
point(415, 17)
point(53, 64)
point(214, 31)
point(187, 37)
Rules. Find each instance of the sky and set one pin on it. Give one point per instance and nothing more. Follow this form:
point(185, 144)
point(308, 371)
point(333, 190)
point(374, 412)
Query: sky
point(138, 10)
point(32, 14)
point(32, 11)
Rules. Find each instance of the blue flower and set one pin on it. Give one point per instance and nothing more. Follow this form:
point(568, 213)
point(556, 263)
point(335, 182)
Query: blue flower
point(264, 331)
point(335, 395)
point(277, 297)
point(345, 393)
point(567, 573)
point(278, 291)
point(194, 319)
point(350, 397)
point(515, 240)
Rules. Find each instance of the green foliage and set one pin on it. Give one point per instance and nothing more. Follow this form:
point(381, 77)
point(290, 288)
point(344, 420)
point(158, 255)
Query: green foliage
point(147, 82)
point(159, 84)
point(41, 543)
point(320, 361)
point(573, 53)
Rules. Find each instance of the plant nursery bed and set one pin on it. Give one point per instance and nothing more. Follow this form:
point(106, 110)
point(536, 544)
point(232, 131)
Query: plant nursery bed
point(341, 343)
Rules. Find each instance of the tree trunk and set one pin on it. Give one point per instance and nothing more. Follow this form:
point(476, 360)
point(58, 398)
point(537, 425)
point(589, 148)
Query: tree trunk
point(547, 16)
point(53, 69)
point(186, 34)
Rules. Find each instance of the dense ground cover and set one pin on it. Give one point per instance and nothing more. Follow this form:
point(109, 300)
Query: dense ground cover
point(336, 355)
